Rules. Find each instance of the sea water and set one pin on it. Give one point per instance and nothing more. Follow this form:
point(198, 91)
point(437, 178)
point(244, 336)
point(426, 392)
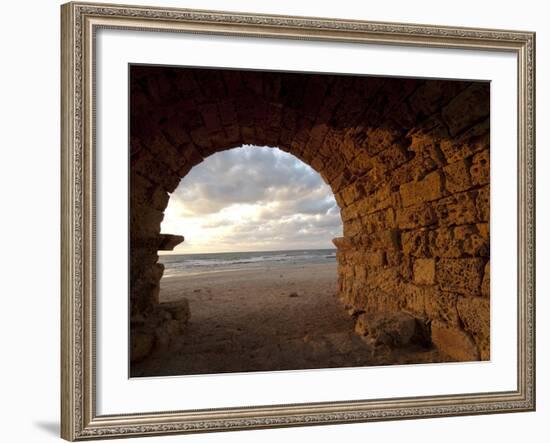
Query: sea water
point(192, 264)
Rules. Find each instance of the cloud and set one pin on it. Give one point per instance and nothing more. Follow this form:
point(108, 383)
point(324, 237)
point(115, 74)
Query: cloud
point(245, 175)
point(252, 198)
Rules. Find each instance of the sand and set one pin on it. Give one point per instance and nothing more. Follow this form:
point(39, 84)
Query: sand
point(273, 318)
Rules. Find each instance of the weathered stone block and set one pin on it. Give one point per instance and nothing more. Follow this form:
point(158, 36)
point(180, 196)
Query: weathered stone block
point(317, 136)
point(393, 257)
point(454, 342)
point(332, 169)
point(404, 115)
point(483, 204)
point(274, 115)
point(467, 108)
point(167, 331)
point(314, 94)
point(348, 212)
point(480, 168)
point(155, 171)
point(342, 243)
point(483, 229)
point(341, 180)
point(405, 268)
point(179, 310)
point(374, 179)
point(360, 273)
point(462, 275)
point(457, 209)
point(380, 138)
point(200, 136)
point(414, 170)
point(390, 329)
point(352, 193)
point(425, 190)
point(393, 156)
point(455, 242)
point(141, 345)
point(145, 193)
point(192, 156)
point(472, 240)
point(168, 241)
point(486, 283)
point(386, 99)
point(442, 306)
point(361, 163)
point(379, 221)
point(412, 298)
point(210, 116)
point(472, 140)
point(386, 279)
point(426, 137)
point(175, 132)
point(233, 136)
point(352, 228)
point(457, 176)
point(388, 240)
point(475, 316)
point(228, 114)
point(145, 222)
point(334, 141)
point(381, 199)
point(415, 242)
point(317, 163)
point(416, 216)
point(429, 97)
point(211, 84)
point(424, 271)
point(440, 243)
point(375, 259)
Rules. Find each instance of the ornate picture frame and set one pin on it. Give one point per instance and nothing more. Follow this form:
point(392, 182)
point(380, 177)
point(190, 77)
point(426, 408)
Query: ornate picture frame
point(80, 22)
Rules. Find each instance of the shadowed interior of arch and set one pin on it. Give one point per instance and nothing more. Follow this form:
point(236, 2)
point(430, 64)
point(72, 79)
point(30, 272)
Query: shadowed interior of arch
point(407, 162)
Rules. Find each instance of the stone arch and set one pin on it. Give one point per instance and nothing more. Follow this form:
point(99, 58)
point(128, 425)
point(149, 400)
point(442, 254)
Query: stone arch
point(407, 160)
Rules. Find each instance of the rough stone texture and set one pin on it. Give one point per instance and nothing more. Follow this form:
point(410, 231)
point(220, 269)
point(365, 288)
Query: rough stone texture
point(427, 189)
point(463, 275)
point(486, 282)
point(142, 345)
point(457, 176)
point(480, 168)
point(424, 271)
point(474, 314)
point(408, 162)
point(442, 306)
point(455, 341)
point(394, 329)
point(168, 241)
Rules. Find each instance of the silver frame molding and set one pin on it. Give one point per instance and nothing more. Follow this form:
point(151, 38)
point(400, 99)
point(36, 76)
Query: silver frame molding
point(79, 21)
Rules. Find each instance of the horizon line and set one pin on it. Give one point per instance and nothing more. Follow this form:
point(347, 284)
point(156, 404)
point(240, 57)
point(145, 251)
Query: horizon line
point(233, 252)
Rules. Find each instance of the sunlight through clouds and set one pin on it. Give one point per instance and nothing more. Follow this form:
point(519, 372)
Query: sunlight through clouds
point(252, 199)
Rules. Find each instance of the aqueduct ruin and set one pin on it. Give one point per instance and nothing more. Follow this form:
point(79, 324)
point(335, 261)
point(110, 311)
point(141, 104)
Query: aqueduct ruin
point(407, 160)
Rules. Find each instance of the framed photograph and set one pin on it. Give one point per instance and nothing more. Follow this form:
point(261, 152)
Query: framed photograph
point(282, 221)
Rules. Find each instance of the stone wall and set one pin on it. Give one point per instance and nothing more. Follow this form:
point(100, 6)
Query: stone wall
point(408, 162)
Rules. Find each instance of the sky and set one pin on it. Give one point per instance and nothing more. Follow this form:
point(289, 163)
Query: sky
point(252, 199)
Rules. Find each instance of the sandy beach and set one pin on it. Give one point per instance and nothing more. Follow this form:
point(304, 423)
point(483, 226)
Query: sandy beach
point(271, 318)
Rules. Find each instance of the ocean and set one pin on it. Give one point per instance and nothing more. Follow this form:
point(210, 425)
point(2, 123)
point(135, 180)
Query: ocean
point(193, 264)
